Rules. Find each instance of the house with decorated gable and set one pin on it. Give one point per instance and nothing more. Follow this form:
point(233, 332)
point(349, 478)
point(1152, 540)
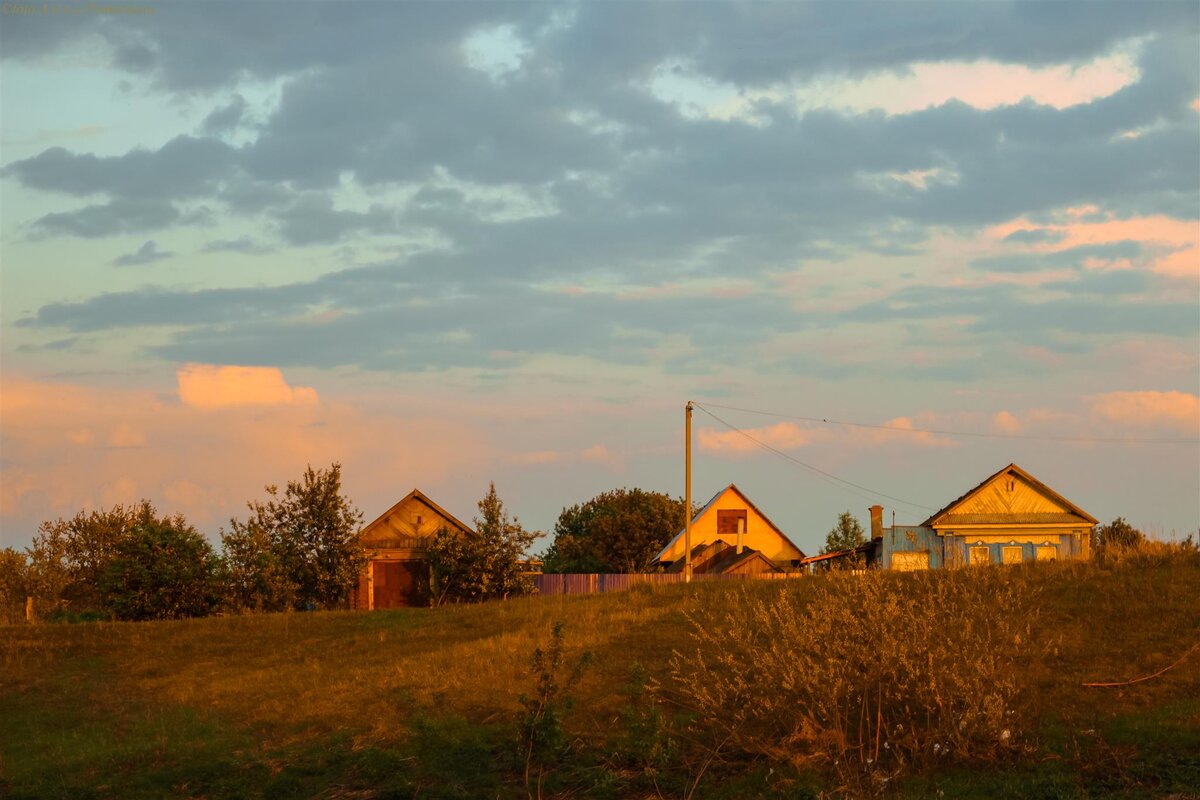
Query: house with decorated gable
point(396, 544)
point(1010, 517)
point(730, 535)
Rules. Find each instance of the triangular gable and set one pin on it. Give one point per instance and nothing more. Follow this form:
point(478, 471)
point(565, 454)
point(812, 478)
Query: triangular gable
point(379, 525)
point(1029, 501)
point(708, 506)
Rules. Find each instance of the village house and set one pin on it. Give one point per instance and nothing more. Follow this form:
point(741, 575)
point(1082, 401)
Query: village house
point(1008, 518)
point(397, 570)
point(731, 536)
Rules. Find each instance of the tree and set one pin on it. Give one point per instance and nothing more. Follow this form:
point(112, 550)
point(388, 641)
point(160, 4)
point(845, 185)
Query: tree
point(846, 535)
point(69, 556)
point(1117, 535)
point(485, 565)
point(617, 531)
point(299, 550)
point(14, 586)
point(161, 571)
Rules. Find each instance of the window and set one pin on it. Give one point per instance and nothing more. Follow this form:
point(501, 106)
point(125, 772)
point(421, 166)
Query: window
point(1047, 552)
point(727, 521)
point(1012, 554)
point(980, 554)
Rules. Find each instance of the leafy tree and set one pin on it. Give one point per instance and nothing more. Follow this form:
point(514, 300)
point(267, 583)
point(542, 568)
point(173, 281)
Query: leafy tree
point(298, 550)
point(616, 531)
point(1117, 535)
point(14, 586)
point(485, 565)
point(846, 535)
point(69, 556)
point(161, 571)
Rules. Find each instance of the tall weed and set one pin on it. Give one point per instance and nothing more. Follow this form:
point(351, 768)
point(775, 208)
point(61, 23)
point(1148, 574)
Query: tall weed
point(872, 675)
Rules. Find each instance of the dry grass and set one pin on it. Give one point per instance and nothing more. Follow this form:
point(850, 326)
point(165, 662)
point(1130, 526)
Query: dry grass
point(312, 704)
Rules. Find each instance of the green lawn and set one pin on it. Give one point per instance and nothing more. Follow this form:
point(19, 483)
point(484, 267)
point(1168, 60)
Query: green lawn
point(425, 703)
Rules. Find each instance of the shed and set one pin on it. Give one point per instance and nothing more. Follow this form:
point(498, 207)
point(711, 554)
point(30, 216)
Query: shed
point(396, 544)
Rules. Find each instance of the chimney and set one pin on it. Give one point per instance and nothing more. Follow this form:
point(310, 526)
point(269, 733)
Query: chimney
point(741, 534)
point(876, 521)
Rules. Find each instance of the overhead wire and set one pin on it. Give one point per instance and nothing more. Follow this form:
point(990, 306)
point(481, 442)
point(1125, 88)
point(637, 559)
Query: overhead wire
point(828, 477)
point(980, 435)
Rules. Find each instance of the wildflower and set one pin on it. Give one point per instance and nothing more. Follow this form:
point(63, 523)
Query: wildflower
point(1005, 735)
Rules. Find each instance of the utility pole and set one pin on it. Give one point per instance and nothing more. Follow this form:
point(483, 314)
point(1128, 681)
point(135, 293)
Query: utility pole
point(687, 490)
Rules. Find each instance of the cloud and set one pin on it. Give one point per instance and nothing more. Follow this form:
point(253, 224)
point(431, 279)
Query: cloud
point(782, 436)
point(225, 118)
point(217, 386)
point(596, 454)
point(243, 244)
point(148, 253)
point(68, 446)
point(108, 219)
point(1175, 410)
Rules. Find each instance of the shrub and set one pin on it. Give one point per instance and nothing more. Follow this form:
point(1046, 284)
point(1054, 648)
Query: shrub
point(874, 676)
point(487, 564)
point(296, 550)
point(14, 586)
point(161, 572)
point(541, 737)
point(69, 556)
point(616, 531)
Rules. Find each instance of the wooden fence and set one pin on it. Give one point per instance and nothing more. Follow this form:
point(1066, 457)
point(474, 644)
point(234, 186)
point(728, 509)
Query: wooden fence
point(594, 583)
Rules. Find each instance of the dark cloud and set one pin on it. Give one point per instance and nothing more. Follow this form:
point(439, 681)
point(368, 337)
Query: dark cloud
point(119, 216)
point(1036, 236)
point(570, 170)
point(243, 244)
point(225, 118)
point(148, 253)
point(1058, 259)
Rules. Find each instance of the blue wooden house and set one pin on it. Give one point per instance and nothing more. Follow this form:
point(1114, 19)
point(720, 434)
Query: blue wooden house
point(1008, 518)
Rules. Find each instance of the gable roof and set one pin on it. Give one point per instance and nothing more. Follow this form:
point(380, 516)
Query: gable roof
point(704, 510)
point(1073, 511)
point(423, 498)
point(717, 557)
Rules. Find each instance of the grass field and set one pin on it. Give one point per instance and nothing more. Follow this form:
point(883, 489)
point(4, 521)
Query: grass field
point(425, 703)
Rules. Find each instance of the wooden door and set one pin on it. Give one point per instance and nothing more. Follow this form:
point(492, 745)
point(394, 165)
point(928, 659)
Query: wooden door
point(397, 583)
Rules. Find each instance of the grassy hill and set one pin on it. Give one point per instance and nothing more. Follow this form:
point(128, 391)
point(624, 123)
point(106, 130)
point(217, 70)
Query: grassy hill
point(426, 703)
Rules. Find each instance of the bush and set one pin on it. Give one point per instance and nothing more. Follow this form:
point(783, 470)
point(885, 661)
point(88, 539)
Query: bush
point(617, 531)
point(296, 551)
point(542, 740)
point(161, 572)
point(69, 556)
point(487, 564)
point(875, 676)
point(14, 586)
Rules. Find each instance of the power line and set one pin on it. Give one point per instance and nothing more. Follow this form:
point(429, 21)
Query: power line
point(826, 476)
point(896, 429)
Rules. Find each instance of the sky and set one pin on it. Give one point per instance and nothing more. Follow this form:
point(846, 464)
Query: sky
point(446, 244)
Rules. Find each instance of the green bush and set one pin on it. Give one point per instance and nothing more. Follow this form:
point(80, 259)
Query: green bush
point(161, 571)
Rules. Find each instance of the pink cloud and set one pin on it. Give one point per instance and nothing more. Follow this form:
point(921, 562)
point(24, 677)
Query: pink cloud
point(1177, 410)
point(69, 447)
point(219, 386)
point(1176, 241)
point(784, 436)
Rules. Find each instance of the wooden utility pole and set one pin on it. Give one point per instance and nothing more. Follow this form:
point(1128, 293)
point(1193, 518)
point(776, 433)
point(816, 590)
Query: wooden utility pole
point(687, 490)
